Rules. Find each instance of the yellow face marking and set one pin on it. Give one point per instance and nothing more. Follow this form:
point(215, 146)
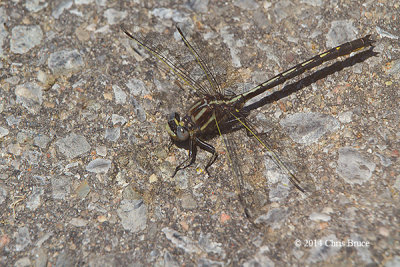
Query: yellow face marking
point(170, 132)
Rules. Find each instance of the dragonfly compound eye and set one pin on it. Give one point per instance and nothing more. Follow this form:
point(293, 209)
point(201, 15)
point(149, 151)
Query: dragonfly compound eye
point(181, 133)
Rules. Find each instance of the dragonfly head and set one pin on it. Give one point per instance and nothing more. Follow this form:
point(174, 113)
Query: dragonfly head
point(176, 129)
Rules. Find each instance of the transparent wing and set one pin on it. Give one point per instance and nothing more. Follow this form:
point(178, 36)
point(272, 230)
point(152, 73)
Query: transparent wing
point(200, 69)
point(262, 174)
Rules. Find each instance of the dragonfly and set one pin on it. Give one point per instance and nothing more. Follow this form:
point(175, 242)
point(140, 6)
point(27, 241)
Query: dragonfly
point(218, 108)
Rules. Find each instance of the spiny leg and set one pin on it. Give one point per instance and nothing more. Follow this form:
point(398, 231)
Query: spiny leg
point(192, 157)
point(209, 148)
point(193, 153)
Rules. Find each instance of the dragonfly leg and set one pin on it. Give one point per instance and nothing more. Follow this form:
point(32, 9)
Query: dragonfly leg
point(209, 148)
point(191, 157)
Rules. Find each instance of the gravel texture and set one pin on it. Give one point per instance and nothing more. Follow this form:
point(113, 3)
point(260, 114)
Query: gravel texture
point(85, 165)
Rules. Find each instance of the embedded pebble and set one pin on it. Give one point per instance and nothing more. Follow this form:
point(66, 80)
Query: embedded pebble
point(101, 151)
point(32, 157)
point(210, 246)
point(246, 4)
point(138, 109)
point(3, 132)
point(181, 241)
point(59, 9)
point(277, 179)
point(3, 31)
point(153, 178)
point(14, 80)
point(3, 194)
point(23, 238)
point(386, 162)
point(324, 248)
point(188, 202)
point(114, 16)
point(21, 137)
point(24, 38)
point(327, 210)
point(307, 128)
point(108, 260)
point(200, 6)
point(65, 62)
point(12, 120)
point(168, 13)
point(133, 215)
point(352, 167)
point(397, 183)
point(384, 33)
point(137, 87)
point(394, 262)
point(316, 216)
point(122, 180)
point(169, 260)
point(279, 191)
point(119, 95)
point(233, 45)
point(282, 10)
point(313, 2)
point(33, 201)
point(260, 259)
point(14, 149)
point(23, 262)
point(181, 180)
point(101, 2)
point(341, 31)
point(118, 119)
point(345, 117)
point(82, 190)
point(394, 67)
point(362, 251)
point(41, 258)
point(209, 262)
point(35, 5)
point(83, 2)
point(60, 187)
point(78, 222)
point(99, 166)
point(73, 145)
point(40, 179)
point(64, 259)
point(274, 218)
point(30, 96)
point(41, 141)
point(112, 134)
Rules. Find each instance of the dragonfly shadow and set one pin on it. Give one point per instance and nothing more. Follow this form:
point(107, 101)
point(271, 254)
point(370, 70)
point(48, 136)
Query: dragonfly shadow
point(312, 78)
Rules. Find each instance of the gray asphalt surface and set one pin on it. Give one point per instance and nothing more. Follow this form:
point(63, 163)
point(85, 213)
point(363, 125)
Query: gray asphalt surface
point(85, 165)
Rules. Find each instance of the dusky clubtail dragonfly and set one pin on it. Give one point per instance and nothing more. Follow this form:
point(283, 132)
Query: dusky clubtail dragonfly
point(217, 107)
